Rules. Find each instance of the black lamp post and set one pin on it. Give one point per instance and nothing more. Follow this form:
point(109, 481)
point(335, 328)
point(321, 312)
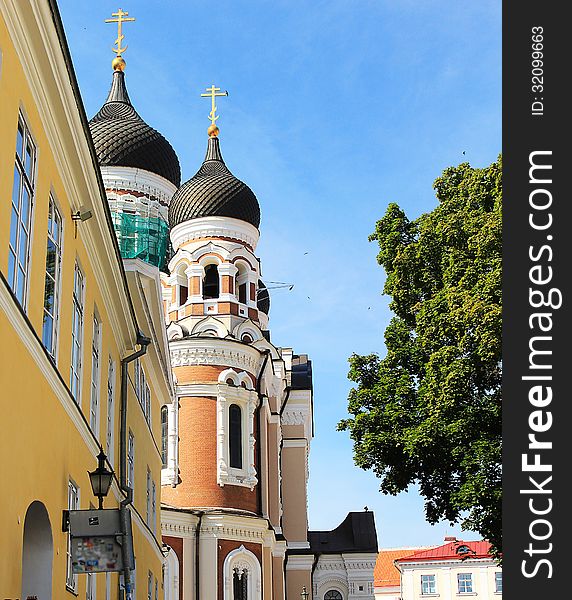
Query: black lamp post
point(100, 479)
point(304, 593)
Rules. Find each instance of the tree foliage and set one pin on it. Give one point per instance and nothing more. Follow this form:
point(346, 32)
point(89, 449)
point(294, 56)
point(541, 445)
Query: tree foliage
point(429, 412)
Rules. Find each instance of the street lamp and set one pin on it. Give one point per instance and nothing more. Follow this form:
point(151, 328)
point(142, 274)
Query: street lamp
point(304, 593)
point(100, 479)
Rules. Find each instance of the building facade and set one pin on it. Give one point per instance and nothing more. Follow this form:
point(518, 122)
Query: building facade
point(84, 367)
point(453, 570)
point(134, 320)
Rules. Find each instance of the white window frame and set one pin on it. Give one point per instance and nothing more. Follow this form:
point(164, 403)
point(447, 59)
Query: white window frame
point(147, 404)
point(465, 578)
point(498, 579)
point(153, 507)
point(242, 559)
point(150, 586)
point(55, 238)
point(18, 253)
point(73, 504)
point(247, 400)
point(131, 460)
point(164, 436)
point(94, 405)
point(148, 499)
point(431, 582)
point(110, 435)
point(77, 333)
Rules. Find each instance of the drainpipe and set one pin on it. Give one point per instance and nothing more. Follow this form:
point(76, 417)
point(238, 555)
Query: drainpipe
point(127, 546)
point(199, 514)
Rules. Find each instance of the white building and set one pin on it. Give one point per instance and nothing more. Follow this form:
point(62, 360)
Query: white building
point(451, 571)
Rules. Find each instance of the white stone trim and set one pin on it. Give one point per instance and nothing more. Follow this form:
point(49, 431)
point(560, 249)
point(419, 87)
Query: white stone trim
point(247, 400)
point(139, 180)
point(297, 443)
point(195, 351)
point(302, 562)
point(171, 583)
point(298, 545)
point(169, 475)
point(214, 227)
point(243, 560)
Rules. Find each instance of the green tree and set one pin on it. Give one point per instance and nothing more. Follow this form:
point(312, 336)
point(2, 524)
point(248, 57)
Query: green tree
point(429, 412)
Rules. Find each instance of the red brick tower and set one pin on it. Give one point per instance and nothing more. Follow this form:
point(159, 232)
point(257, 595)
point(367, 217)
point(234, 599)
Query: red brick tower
point(224, 514)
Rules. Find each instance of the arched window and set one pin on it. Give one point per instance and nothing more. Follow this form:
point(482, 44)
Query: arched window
point(240, 584)
point(164, 434)
point(242, 283)
point(182, 284)
point(235, 436)
point(211, 282)
point(333, 595)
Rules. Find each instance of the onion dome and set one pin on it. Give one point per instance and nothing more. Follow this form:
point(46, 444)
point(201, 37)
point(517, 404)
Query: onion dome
point(263, 298)
point(214, 192)
point(123, 139)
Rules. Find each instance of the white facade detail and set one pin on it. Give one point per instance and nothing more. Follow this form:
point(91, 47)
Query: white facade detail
point(349, 574)
point(242, 561)
point(215, 227)
point(247, 400)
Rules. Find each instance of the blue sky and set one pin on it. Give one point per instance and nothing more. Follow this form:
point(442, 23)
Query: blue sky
point(335, 109)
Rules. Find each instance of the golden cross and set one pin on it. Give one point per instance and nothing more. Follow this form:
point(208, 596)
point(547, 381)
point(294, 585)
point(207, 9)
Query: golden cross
point(213, 94)
point(120, 14)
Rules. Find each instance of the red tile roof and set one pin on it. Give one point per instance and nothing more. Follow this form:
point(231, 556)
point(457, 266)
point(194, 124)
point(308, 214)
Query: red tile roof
point(448, 551)
point(385, 574)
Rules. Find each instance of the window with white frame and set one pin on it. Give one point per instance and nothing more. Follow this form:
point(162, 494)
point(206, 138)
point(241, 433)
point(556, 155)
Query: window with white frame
point(148, 491)
point(428, 584)
point(235, 436)
point(241, 575)
point(142, 390)
point(131, 460)
point(465, 583)
point(150, 586)
point(137, 376)
point(235, 426)
point(110, 440)
point(73, 504)
point(498, 582)
point(21, 212)
point(52, 284)
point(147, 405)
point(164, 436)
point(77, 333)
point(153, 507)
point(95, 368)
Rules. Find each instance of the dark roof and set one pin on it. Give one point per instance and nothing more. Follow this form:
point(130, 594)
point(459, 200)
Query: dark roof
point(301, 376)
point(214, 192)
point(263, 298)
point(355, 534)
point(122, 138)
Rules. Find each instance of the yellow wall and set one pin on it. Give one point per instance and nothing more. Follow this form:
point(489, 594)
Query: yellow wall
point(43, 438)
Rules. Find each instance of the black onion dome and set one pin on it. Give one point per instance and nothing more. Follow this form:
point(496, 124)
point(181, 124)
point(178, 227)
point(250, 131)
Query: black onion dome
point(214, 192)
point(263, 298)
point(123, 139)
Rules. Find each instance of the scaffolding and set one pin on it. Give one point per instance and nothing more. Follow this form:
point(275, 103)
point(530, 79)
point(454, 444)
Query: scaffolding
point(143, 237)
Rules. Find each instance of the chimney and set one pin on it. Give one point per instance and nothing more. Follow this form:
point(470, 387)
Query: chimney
point(450, 538)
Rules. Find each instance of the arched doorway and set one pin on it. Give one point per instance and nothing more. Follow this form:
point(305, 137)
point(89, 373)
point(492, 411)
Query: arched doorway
point(37, 553)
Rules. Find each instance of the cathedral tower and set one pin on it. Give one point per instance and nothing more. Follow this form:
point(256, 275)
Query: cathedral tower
point(140, 171)
point(236, 442)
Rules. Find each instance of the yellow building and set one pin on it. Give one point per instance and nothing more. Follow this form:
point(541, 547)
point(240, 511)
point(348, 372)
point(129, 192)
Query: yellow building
point(72, 321)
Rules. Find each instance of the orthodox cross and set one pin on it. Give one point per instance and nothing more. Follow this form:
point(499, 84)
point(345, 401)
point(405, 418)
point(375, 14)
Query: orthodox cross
point(121, 18)
point(212, 94)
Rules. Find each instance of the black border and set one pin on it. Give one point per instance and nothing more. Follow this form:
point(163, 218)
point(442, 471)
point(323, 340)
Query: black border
point(523, 133)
